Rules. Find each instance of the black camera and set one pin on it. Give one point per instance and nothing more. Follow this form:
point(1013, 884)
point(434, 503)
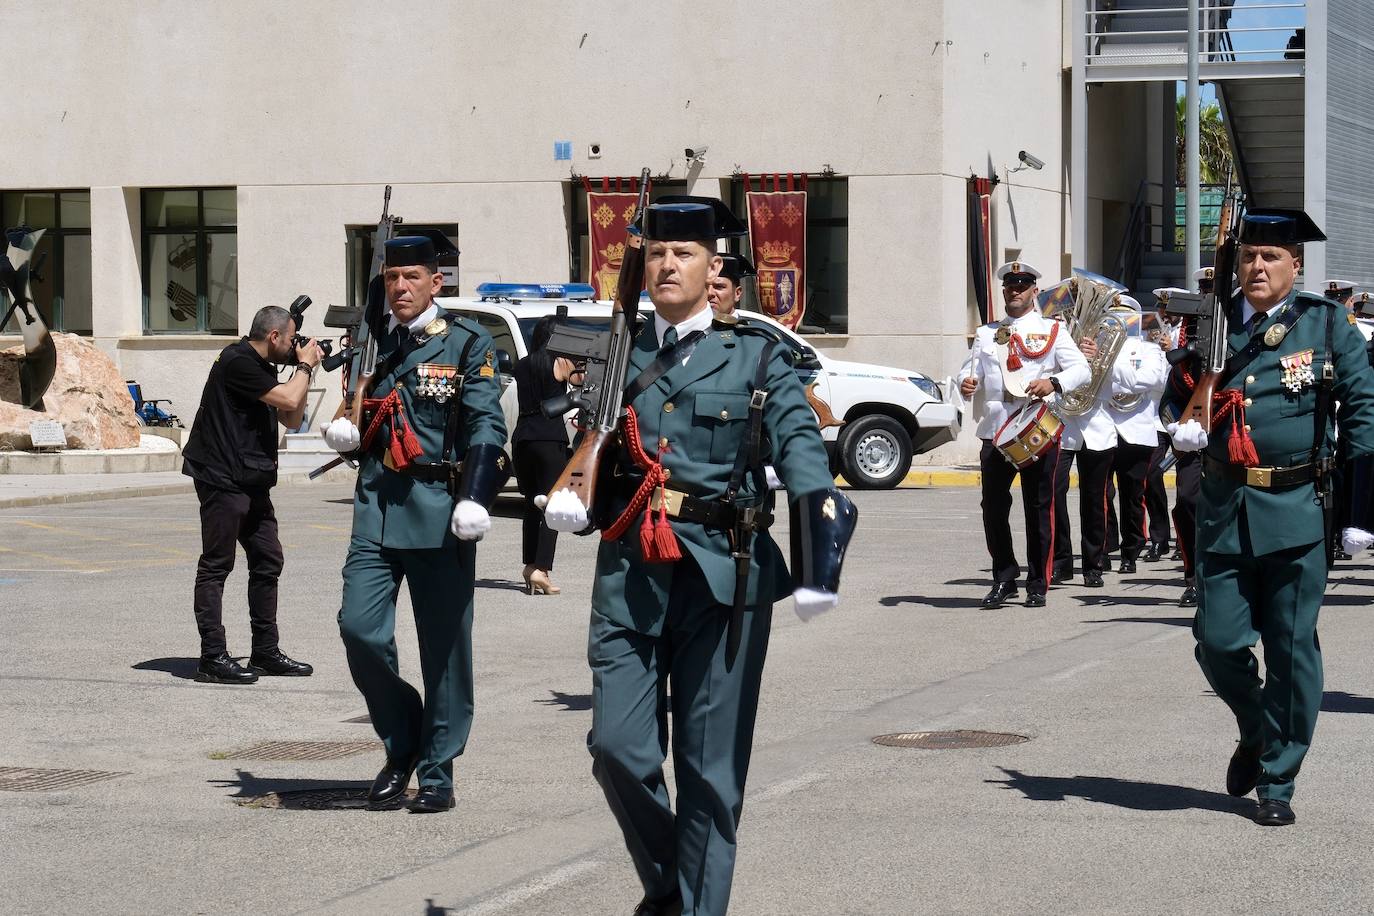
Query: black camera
point(297, 310)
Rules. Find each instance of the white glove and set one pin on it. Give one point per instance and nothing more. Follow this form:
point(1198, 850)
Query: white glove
point(1355, 540)
point(1189, 436)
point(341, 435)
point(470, 521)
point(564, 511)
point(774, 482)
point(809, 602)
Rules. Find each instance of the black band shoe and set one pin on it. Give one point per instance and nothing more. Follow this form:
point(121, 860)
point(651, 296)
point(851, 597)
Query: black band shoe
point(390, 784)
point(1154, 553)
point(432, 800)
point(221, 669)
point(1274, 813)
point(663, 906)
point(1189, 596)
point(1243, 772)
point(1061, 575)
point(1035, 599)
point(1092, 579)
point(1001, 591)
point(1128, 565)
point(277, 662)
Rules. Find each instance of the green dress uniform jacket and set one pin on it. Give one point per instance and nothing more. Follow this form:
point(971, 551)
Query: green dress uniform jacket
point(401, 531)
point(659, 624)
point(1261, 561)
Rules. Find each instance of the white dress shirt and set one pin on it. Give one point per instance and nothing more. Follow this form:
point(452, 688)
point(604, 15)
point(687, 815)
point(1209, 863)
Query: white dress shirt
point(416, 324)
point(698, 321)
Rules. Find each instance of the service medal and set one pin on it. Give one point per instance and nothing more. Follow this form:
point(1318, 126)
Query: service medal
point(437, 381)
point(435, 327)
point(1274, 336)
point(1297, 371)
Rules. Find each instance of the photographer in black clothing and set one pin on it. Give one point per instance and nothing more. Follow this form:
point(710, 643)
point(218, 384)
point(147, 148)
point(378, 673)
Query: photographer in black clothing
point(232, 454)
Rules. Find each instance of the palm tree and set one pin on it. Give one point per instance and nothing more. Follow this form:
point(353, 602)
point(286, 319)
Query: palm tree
point(1214, 148)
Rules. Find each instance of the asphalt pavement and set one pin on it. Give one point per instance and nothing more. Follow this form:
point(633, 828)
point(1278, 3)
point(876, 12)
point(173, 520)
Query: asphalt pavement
point(1114, 804)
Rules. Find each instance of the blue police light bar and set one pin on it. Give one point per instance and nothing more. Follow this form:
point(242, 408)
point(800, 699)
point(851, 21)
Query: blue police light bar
point(536, 291)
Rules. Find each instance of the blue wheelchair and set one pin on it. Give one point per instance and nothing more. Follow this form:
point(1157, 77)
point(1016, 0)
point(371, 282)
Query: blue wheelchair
point(147, 409)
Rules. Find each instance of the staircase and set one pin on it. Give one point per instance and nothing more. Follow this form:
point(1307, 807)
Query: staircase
point(1264, 119)
point(1163, 268)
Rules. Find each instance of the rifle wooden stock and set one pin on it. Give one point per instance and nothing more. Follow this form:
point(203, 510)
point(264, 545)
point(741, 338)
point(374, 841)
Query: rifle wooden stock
point(580, 473)
point(1199, 406)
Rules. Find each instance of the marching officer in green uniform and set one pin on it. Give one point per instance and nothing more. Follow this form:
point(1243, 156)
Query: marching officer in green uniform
point(431, 462)
point(665, 617)
point(1263, 535)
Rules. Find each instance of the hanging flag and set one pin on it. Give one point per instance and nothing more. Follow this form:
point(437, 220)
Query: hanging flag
point(777, 235)
point(608, 215)
point(980, 245)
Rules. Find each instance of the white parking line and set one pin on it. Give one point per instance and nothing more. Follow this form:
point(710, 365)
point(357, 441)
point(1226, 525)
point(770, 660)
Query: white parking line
point(511, 898)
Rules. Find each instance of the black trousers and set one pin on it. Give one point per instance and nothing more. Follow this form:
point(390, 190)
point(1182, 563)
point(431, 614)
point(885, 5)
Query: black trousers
point(1132, 468)
point(1187, 483)
point(1037, 502)
point(228, 518)
point(1157, 495)
point(1094, 503)
point(537, 466)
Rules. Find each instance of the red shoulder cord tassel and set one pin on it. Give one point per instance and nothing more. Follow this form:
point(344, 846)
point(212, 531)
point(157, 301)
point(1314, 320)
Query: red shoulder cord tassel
point(1018, 349)
point(1240, 448)
point(404, 446)
point(657, 541)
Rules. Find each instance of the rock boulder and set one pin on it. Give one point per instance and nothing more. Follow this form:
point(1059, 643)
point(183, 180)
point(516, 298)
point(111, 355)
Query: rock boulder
point(87, 396)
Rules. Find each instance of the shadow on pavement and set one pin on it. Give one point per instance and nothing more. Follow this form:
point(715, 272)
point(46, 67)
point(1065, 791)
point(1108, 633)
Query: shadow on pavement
point(433, 909)
point(1132, 600)
point(184, 668)
point(894, 600)
point(1167, 621)
point(571, 702)
point(1340, 701)
point(505, 585)
point(1122, 793)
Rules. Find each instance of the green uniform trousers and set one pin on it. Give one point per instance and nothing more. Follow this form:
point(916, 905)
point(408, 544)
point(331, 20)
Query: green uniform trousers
point(435, 730)
point(1273, 597)
point(713, 713)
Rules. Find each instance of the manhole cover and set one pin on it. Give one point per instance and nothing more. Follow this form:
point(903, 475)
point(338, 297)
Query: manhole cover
point(32, 779)
point(299, 750)
point(949, 741)
point(340, 799)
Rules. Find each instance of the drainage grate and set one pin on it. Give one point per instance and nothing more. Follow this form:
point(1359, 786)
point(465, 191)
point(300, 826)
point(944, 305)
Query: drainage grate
point(299, 750)
point(31, 779)
point(340, 799)
point(949, 741)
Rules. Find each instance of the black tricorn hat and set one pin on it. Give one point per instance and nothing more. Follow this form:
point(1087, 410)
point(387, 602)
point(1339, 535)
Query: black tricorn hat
point(422, 246)
point(735, 267)
point(682, 218)
point(1278, 226)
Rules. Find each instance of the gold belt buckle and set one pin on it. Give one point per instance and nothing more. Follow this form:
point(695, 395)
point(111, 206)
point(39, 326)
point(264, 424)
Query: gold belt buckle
point(1259, 477)
point(672, 498)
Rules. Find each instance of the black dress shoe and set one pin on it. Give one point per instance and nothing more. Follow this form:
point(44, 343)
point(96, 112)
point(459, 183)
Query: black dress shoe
point(278, 663)
point(1035, 599)
point(1177, 554)
point(1339, 555)
point(1243, 772)
point(663, 906)
point(1106, 564)
point(1189, 596)
point(390, 784)
point(221, 669)
point(1274, 813)
point(1061, 575)
point(431, 800)
point(1092, 579)
point(1001, 591)
point(1154, 553)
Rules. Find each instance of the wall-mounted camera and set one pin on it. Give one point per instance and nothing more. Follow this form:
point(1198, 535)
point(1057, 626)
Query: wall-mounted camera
point(1031, 161)
point(695, 153)
point(594, 151)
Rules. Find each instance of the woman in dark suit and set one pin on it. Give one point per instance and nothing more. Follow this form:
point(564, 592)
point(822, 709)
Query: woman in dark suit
point(541, 451)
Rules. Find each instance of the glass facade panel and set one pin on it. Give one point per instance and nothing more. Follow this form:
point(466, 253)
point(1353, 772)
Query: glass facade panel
point(61, 284)
point(222, 282)
point(76, 284)
point(190, 251)
point(162, 209)
point(221, 206)
point(75, 209)
point(171, 282)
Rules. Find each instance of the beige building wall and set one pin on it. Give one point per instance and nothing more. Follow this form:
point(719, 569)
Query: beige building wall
point(309, 108)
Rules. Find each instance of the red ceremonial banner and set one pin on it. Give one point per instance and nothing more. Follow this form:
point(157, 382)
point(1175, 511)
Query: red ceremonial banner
point(608, 215)
point(777, 235)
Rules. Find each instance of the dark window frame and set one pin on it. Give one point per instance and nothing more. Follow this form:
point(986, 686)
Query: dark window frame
point(55, 267)
point(358, 261)
point(579, 235)
point(201, 232)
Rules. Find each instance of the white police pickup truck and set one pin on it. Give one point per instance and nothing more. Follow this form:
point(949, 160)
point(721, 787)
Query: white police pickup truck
point(873, 418)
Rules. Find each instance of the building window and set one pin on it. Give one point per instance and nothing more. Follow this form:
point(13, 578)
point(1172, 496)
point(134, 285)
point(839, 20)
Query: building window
point(579, 239)
point(61, 283)
point(360, 259)
point(190, 261)
point(827, 252)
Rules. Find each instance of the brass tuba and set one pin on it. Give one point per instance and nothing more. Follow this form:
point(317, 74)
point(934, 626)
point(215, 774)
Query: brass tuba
point(1092, 316)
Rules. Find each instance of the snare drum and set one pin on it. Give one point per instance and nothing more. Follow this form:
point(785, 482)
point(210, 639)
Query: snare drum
point(1028, 433)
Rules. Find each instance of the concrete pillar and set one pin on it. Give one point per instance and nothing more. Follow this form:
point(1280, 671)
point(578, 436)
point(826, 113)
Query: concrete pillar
point(116, 269)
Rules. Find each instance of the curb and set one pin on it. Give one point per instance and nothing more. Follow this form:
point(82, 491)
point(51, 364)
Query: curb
point(971, 477)
point(171, 488)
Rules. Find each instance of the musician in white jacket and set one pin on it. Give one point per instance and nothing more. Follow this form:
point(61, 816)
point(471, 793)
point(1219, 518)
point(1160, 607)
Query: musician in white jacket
point(1139, 383)
point(1024, 356)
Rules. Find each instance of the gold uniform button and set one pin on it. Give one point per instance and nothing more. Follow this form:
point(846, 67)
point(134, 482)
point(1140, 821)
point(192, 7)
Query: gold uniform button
point(1247, 427)
point(1249, 380)
point(725, 414)
point(1247, 402)
point(662, 443)
point(668, 408)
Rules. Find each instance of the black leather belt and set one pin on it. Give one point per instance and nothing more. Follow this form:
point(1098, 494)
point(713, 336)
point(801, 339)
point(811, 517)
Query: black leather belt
point(1263, 478)
point(688, 508)
point(434, 471)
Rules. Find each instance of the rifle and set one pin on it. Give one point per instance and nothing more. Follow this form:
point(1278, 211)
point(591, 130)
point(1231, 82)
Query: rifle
point(359, 346)
point(607, 358)
point(1205, 316)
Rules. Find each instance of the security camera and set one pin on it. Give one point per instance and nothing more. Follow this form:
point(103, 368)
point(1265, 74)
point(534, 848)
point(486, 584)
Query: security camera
point(695, 153)
point(1030, 160)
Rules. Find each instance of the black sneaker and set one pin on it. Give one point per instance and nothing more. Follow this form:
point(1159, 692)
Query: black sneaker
point(221, 669)
point(278, 663)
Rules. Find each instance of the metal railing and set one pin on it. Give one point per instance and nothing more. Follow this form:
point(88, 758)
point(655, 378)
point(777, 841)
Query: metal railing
point(1224, 29)
point(1146, 229)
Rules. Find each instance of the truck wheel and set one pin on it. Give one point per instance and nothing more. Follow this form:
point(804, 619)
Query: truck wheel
point(875, 453)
